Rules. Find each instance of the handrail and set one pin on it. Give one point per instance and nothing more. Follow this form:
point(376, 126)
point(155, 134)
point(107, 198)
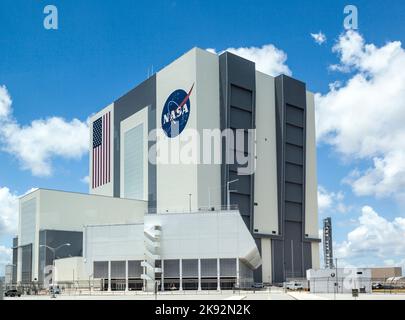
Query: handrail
point(206, 209)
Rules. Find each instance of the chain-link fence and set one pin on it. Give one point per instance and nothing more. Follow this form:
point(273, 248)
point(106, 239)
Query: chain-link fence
point(363, 285)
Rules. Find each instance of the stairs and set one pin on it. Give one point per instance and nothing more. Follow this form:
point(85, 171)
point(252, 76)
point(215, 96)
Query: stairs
point(151, 273)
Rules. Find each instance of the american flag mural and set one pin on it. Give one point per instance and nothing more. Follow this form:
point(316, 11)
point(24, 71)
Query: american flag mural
point(101, 150)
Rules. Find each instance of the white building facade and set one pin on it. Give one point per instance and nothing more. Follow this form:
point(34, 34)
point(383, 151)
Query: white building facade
point(49, 219)
point(277, 200)
point(197, 250)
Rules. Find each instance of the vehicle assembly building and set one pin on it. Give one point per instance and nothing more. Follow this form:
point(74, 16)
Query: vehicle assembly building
point(161, 211)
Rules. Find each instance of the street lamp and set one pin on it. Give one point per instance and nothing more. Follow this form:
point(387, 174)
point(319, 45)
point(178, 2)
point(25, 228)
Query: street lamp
point(53, 250)
point(228, 192)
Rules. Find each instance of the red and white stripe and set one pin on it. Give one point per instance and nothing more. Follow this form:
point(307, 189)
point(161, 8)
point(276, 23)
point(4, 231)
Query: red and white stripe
point(101, 155)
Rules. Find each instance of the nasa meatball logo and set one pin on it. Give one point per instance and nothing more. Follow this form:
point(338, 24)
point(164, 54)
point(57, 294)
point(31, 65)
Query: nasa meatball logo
point(176, 112)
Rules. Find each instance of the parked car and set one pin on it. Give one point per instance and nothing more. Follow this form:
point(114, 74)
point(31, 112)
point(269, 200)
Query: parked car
point(377, 286)
point(258, 285)
point(293, 285)
point(12, 293)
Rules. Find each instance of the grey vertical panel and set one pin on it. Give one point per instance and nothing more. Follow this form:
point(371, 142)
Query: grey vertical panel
point(134, 269)
point(294, 154)
point(227, 267)
point(100, 269)
point(171, 268)
point(293, 211)
point(307, 255)
point(15, 259)
point(293, 249)
point(209, 268)
point(118, 269)
point(26, 263)
point(258, 274)
point(277, 259)
point(190, 268)
point(237, 111)
point(293, 173)
point(295, 116)
point(142, 96)
point(290, 132)
point(42, 256)
point(293, 192)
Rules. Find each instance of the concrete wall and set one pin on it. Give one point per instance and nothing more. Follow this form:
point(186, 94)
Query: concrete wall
point(266, 208)
point(207, 93)
point(191, 178)
point(180, 74)
point(311, 181)
point(184, 236)
point(85, 209)
point(70, 270)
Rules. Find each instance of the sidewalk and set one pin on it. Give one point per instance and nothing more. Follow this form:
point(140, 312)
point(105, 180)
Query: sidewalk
point(305, 296)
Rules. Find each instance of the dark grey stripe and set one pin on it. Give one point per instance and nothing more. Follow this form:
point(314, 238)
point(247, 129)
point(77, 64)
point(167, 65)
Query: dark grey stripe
point(237, 111)
point(135, 100)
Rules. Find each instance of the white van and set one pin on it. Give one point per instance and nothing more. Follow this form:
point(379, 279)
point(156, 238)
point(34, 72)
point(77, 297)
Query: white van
point(293, 285)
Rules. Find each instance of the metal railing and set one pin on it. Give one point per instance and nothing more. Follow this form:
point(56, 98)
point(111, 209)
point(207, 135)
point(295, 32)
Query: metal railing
point(206, 209)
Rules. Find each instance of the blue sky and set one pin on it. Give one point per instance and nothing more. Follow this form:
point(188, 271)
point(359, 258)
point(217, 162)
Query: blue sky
point(104, 48)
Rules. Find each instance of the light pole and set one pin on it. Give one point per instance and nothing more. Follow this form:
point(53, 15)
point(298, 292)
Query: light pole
point(53, 250)
point(228, 192)
point(337, 278)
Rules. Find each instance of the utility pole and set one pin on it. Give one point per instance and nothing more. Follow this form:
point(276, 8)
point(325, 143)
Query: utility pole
point(53, 250)
point(292, 258)
point(337, 277)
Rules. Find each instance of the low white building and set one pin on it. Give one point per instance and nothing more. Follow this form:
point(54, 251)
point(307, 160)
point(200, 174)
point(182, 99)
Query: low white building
point(340, 280)
point(49, 219)
point(197, 250)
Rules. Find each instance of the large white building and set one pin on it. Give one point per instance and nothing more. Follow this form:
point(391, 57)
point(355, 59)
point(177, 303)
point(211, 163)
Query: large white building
point(142, 148)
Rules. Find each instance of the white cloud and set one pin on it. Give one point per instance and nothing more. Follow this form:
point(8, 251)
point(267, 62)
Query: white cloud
point(38, 143)
point(364, 117)
point(85, 179)
point(374, 240)
point(268, 58)
point(5, 258)
point(319, 37)
point(5, 103)
point(8, 212)
point(331, 202)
